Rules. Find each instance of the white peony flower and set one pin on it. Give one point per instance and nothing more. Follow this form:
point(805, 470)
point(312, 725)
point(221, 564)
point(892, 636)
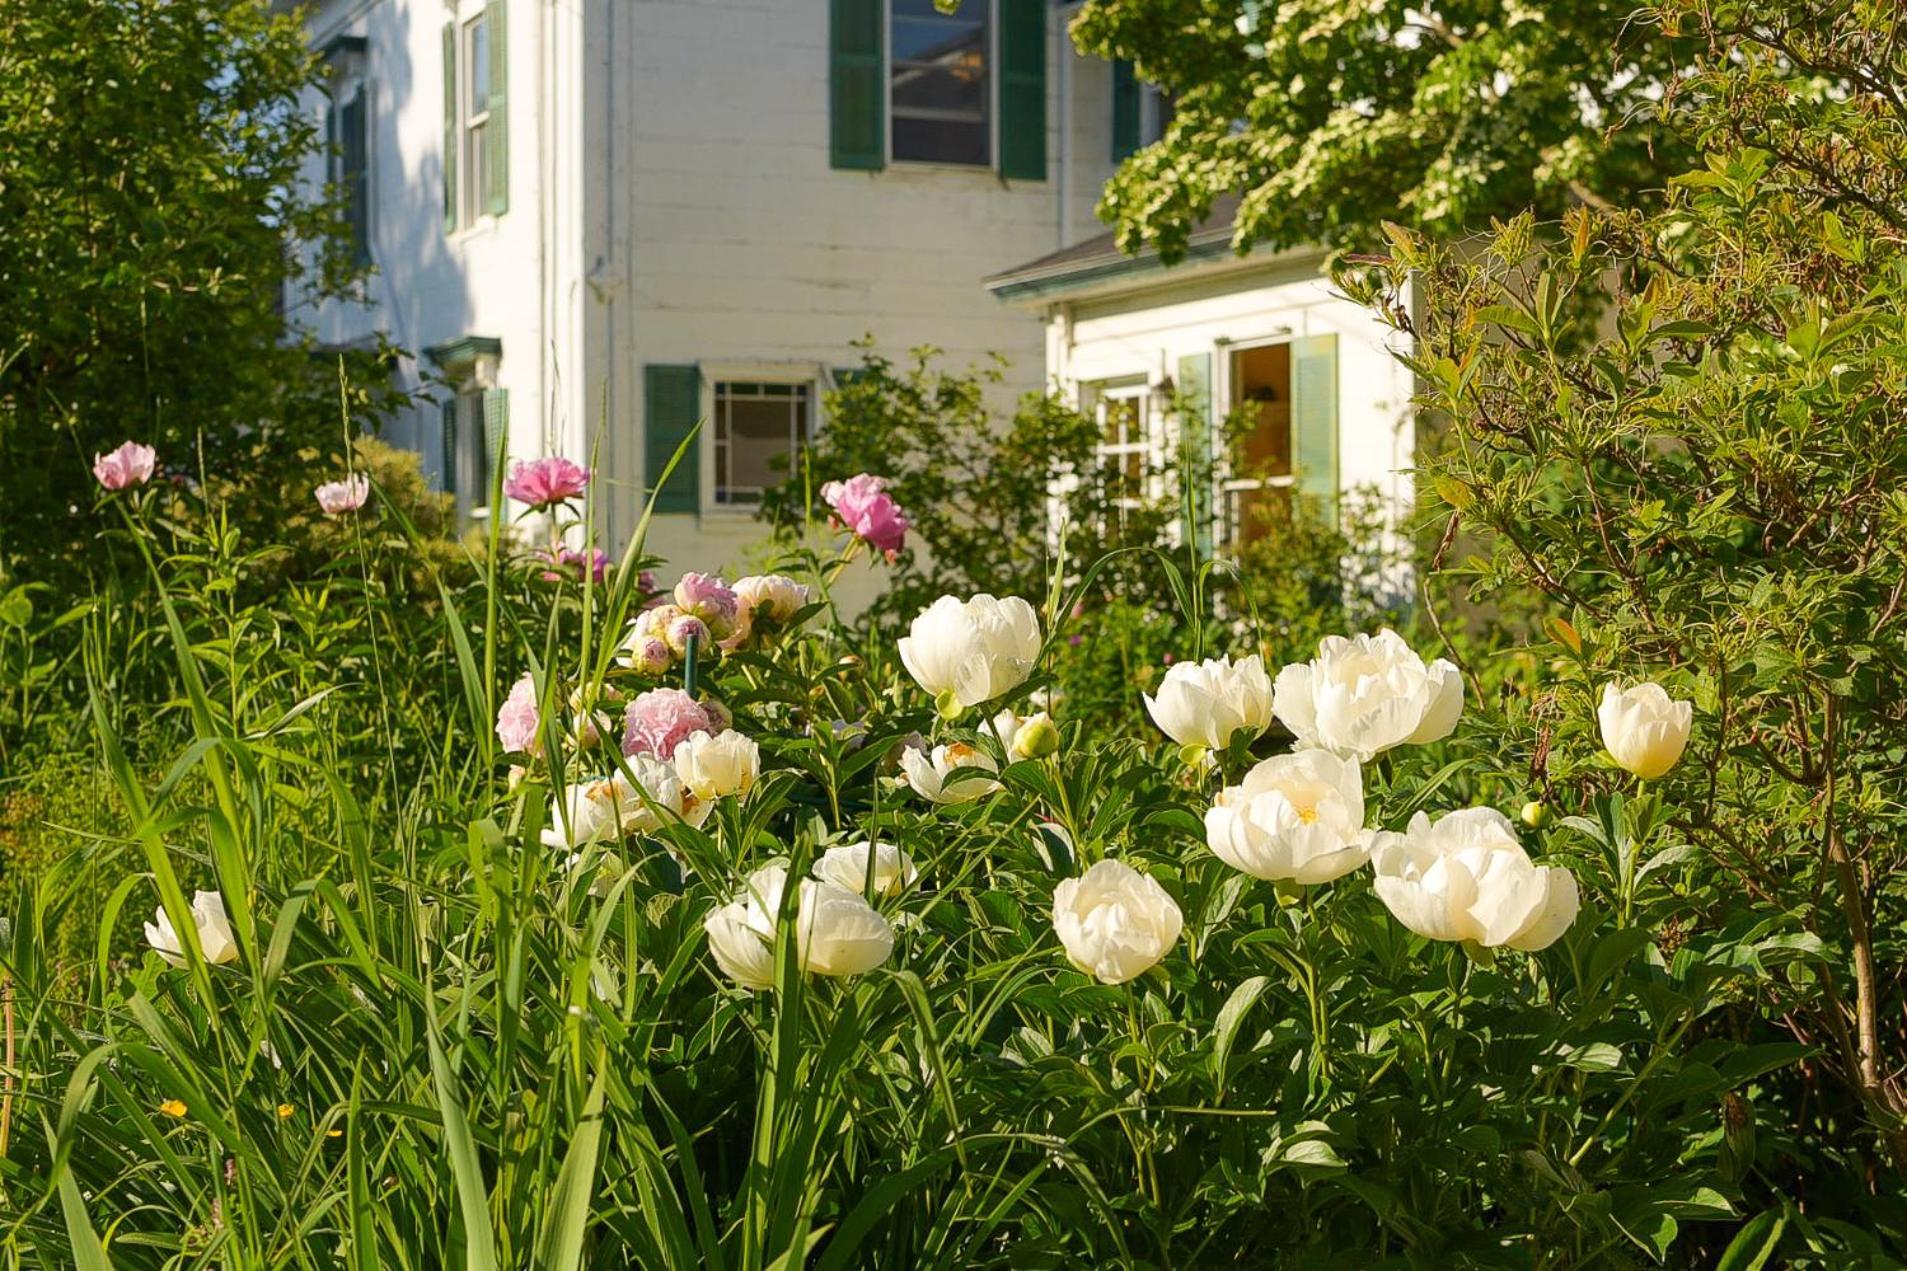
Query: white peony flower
point(1363, 695)
point(836, 932)
point(712, 765)
point(214, 929)
point(1643, 730)
point(1026, 737)
point(954, 773)
point(1205, 703)
point(1465, 877)
point(1297, 818)
point(965, 653)
point(742, 932)
point(612, 807)
point(847, 866)
point(1115, 922)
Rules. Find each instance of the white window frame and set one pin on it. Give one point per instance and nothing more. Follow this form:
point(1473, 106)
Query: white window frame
point(815, 378)
point(990, 98)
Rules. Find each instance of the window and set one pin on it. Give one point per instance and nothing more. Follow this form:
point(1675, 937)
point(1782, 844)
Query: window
point(939, 83)
point(476, 160)
point(347, 130)
point(1258, 486)
point(1125, 446)
point(758, 431)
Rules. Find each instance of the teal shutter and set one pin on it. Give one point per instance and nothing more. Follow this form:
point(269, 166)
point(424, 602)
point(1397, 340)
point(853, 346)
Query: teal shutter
point(496, 131)
point(1125, 110)
point(672, 407)
point(1195, 438)
point(1023, 89)
point(448, 417)
point(450, 126)
point(496, 432)
point(857, 91)
point(1314, 422)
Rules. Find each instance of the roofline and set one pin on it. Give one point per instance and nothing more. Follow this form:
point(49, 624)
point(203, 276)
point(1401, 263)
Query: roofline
point(1081, 280)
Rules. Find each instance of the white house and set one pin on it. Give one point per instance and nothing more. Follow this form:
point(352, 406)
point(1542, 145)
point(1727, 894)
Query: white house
point(1327, 402)
point(600, 221)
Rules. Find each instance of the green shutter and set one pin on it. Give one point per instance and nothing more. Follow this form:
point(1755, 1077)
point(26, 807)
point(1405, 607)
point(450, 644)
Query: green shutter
point(1314, 423)
point(1195, 436)
point(450, 126)
point(672, 407)
point(857, 89)
point(448, 417)
point(496, 132)
point(496, 432)
point(1125, 110)
point(1023, 89)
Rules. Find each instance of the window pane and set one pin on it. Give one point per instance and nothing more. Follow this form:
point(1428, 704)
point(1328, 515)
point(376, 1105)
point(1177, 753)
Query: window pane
point(758, 430)
point(938, 141)
point(478, 35)
point(939, 88)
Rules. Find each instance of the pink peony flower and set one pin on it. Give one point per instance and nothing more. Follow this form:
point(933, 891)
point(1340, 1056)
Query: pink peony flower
point(129, 465)
point(863, 506)
point(657, 720)
point(517, 718)
point(707, 597)
point(340, 497)
point(544, 482)
point(685, 627)
point(648, 655)
point(567, 562)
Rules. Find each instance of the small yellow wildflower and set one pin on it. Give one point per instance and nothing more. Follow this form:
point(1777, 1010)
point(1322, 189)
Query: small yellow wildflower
point(173, 1107)
point(284, 1111)
point(334, 1134)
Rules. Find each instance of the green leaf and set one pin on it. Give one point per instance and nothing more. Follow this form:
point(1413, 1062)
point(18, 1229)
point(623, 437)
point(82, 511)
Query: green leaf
point(479, 1243)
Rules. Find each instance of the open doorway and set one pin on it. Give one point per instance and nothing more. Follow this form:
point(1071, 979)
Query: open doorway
point(1259, 474)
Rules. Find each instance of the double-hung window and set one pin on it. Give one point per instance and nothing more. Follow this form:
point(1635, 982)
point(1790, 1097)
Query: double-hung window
point(476, 120)
point(908, 83)
point(758, 432)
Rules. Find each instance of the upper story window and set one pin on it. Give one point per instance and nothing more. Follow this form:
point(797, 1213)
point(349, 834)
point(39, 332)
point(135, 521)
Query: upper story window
point(939, 85)
point(910, 84)
point(476, 118)
point(758, 431)
point(347, 134)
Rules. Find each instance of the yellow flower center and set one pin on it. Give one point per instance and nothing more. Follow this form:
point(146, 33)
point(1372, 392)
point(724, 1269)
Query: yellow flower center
point(1308, 815)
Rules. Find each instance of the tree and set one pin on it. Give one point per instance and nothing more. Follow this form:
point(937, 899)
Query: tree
point(150, 188)
point(1707, 490)
point(1329, 118)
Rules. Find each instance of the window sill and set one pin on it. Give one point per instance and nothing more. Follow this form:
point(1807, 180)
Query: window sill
point(476, 229)
point(928, 166)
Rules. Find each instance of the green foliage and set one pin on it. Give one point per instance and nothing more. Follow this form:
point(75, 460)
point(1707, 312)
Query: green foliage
point(1705, 488)
point(151, 159)
point(1330, 118)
